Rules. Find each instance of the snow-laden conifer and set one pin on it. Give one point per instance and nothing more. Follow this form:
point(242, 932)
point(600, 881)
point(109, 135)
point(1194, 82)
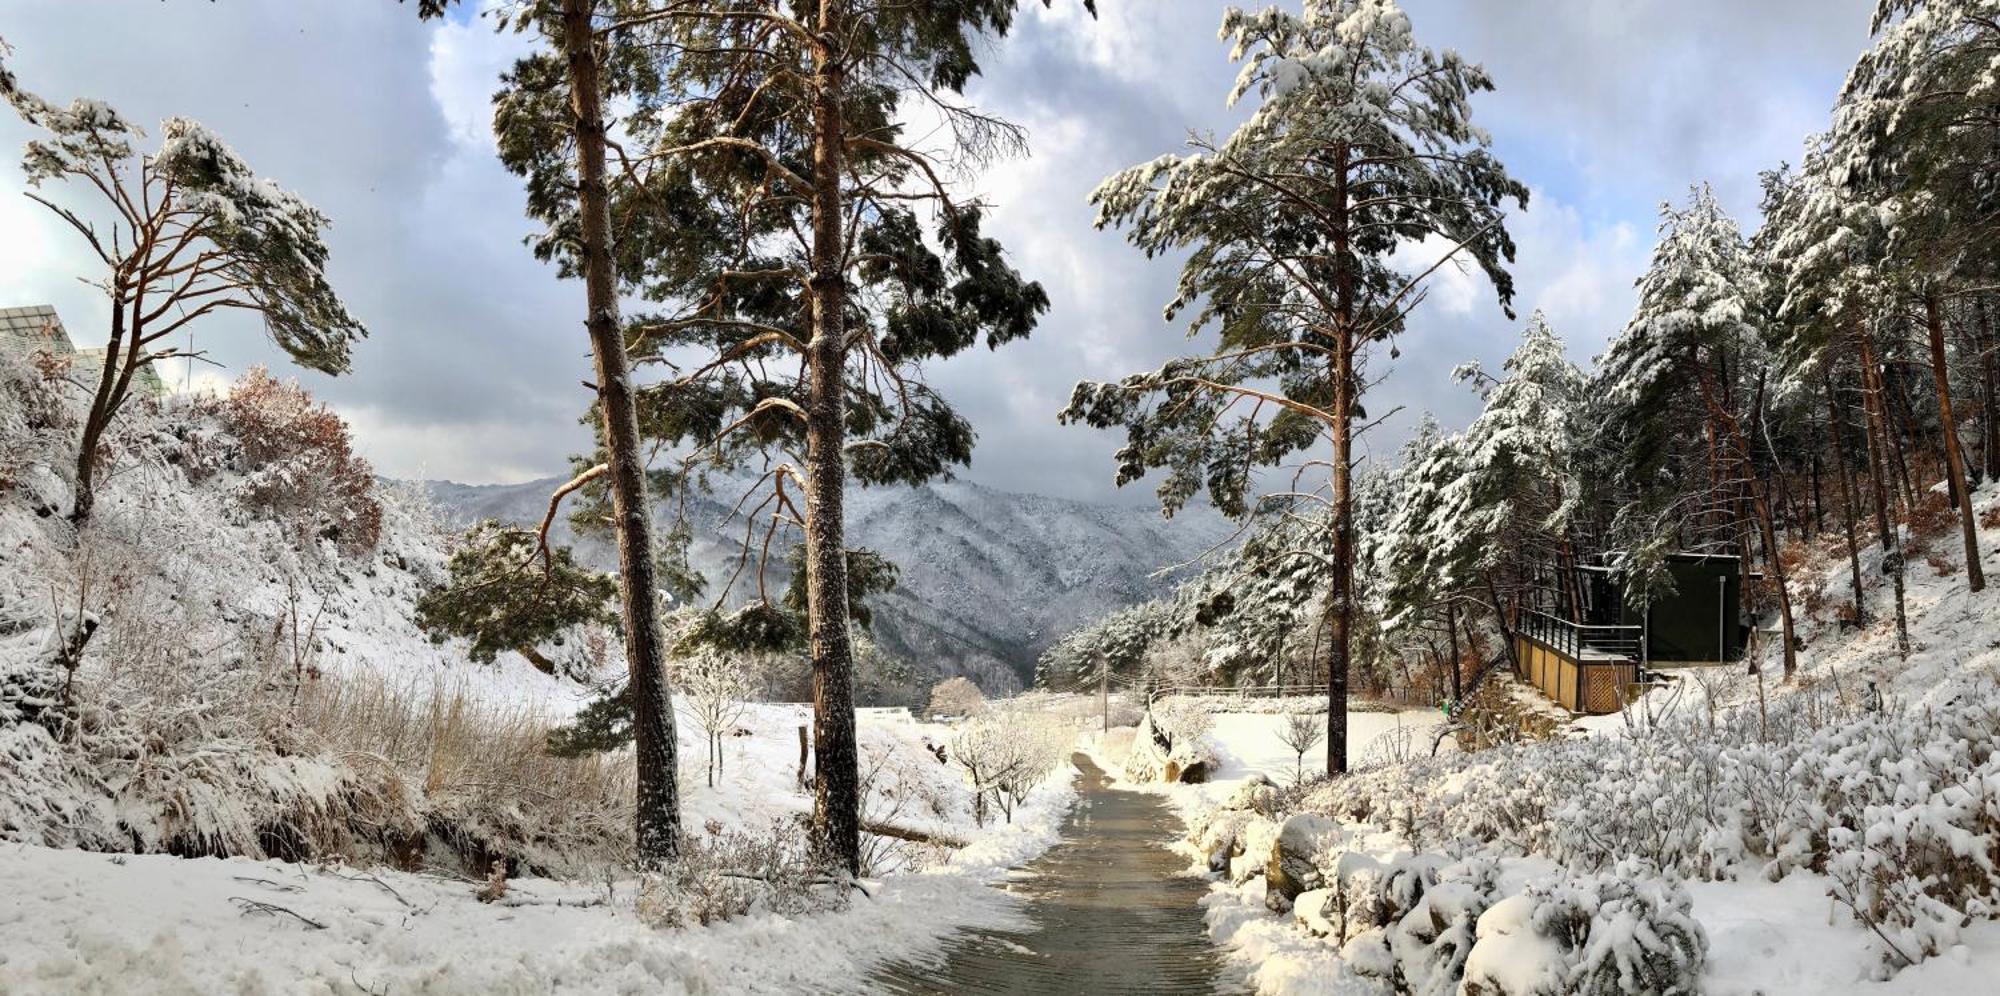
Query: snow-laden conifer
point(1359, 142)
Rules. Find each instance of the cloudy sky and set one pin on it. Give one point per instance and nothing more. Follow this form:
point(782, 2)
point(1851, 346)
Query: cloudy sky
point(473, 368)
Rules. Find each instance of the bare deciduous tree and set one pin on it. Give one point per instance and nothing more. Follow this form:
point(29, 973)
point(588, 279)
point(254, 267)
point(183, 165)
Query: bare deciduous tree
point(714, 686)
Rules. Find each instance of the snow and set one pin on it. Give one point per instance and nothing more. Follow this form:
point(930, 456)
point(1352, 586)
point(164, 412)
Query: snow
point(79, 922)
point(193, 740)
point(87, 922)
point(1813, 797)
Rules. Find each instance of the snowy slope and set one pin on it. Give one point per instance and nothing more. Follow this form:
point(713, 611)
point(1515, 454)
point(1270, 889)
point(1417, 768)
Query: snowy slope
point(1726, 835)
point(989, 578)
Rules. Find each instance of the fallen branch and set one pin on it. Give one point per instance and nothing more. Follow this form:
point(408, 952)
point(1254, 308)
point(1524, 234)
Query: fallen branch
point(377, 881)
point(268, 884)
point(854, 884)
point(911, 835)
point(512, 901)
point(272, 909)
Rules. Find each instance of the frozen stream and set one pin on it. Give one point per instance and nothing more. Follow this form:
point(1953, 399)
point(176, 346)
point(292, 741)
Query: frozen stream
point(1107, 910)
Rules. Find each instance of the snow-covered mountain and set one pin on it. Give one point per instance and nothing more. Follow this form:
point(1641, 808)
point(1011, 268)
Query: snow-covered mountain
point(988, 578)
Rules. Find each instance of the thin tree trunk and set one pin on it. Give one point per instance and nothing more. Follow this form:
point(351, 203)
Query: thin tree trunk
point(1989, 391)
point(1878, 440)
point(658, 814)
point(102, 404)
point(1343, 511)
point(836, 798)
point(1975, 574)
point(1836, 425)
point(1902, 424)
point(1451, 628)
point(1761, 505)
point(1818, 498)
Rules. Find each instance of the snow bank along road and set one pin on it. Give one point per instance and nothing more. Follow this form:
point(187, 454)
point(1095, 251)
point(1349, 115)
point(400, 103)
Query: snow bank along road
point(1109, 910)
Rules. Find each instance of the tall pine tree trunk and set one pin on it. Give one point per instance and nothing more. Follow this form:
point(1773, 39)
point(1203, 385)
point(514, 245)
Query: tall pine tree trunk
point(1835, 426)
point(837, 791)
point(1975, 574)
point(658, 814)
point(1343, 505)
point(1878, 442)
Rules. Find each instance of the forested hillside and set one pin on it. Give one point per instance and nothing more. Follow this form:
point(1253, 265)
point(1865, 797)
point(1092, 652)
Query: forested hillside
point(986, 579)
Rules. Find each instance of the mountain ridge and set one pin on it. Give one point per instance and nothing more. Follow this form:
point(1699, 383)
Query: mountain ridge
point(988, 577)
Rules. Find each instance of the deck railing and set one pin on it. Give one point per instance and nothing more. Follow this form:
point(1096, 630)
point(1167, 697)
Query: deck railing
point(1583, 642)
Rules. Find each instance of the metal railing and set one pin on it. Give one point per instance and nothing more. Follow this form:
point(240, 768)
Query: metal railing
point(1240, 691)
point(1582, 642)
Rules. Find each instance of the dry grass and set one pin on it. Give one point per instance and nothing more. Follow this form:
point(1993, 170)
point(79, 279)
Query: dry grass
point(477, 775)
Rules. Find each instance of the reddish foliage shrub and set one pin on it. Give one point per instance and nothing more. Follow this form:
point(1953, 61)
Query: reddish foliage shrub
point(300, 464)
point(1932, 516)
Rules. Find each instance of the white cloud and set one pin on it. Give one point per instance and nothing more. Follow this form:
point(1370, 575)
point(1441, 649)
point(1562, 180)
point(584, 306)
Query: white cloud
point(466, 60)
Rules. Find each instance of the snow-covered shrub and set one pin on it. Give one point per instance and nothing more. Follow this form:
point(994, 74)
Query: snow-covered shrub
point(1592, 935)
point(1005, 754)
point(1900, 808)
point(721, 874)
point(895, 789)
point(299, 466)
point(1431, 942)
point(36, 419)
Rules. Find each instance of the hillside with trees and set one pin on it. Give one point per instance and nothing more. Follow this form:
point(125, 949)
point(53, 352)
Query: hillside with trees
point(1655, 657)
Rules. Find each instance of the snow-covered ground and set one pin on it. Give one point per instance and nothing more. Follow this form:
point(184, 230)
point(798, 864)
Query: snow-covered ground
point(249, 690)
point(1461, 867)
point(82, 922)
point(1763, 938)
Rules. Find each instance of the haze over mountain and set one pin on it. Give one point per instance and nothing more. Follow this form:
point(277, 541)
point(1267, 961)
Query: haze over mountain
point(988, 578)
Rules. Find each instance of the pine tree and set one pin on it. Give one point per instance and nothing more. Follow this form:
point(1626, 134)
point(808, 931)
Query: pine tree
point(502, 593)
point(1695, 323)
point(804, 261)
point(193, 231)
point(1827, 248)
point(1914, 132)
point(1360, 142)
point(1482, 517)
point(563, 154)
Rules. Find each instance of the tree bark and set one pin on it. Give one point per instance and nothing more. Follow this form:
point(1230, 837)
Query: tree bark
point(836, 798)
point(102, 403)
point(1342, 602)
point(657, 830)
point(1878, 441)
point(1836, 427)
point(1989, 391)
point(1761, 505)
point(1975, 574)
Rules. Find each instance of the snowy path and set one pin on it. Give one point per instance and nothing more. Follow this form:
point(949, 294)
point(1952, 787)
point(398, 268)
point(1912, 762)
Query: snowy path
point(1106, 911)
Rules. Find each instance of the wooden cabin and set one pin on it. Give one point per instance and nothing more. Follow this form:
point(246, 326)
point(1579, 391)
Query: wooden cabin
point(1590, 657)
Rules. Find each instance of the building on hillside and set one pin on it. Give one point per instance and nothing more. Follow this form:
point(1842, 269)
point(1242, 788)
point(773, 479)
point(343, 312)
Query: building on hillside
point(37, 328)
point(1590, 651)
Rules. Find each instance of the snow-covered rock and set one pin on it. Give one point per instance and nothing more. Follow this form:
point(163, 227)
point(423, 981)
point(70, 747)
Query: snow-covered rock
point(1291, 866)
